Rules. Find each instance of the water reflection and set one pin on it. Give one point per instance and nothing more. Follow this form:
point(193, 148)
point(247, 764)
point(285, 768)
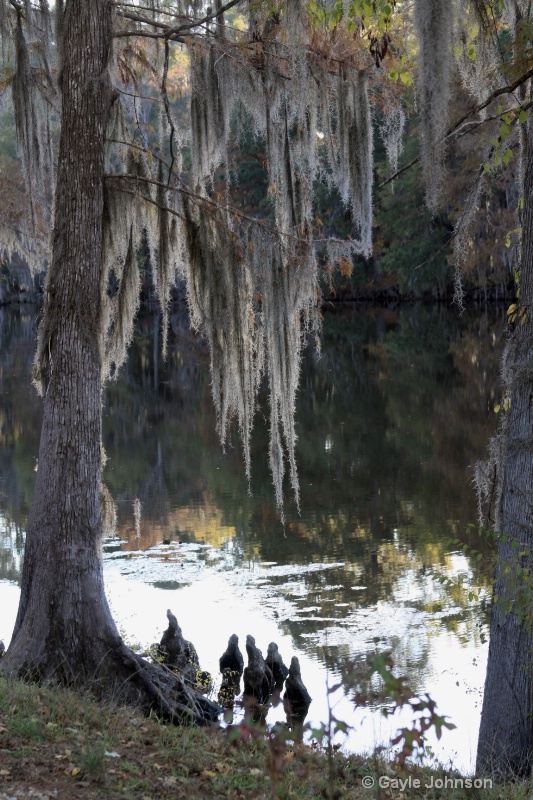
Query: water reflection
point(390, 418)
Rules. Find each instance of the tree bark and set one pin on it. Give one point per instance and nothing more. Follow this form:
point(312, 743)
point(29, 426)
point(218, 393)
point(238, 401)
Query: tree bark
point(64, 629)
point(506, 732)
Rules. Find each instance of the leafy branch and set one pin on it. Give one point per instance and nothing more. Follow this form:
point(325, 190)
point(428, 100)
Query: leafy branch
point(509, 89)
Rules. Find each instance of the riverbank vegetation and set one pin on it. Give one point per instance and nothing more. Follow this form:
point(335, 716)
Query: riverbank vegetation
point(56, 742)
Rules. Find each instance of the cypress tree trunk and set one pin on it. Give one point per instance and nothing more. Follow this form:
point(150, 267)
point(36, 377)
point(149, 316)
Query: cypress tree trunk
point(506, 733)
point(62, 605)
point(64, 629)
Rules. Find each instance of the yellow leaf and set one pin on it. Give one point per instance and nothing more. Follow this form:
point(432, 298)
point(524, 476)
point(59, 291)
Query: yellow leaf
point(209, 773)
point(497, 409)
point(5, 772)
point(512, 308)
point(405, 78)
point(75, 771)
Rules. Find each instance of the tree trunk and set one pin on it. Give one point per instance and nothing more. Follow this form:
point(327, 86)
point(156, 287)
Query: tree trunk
point(506, 732)
point(64, 629)
point(62, 603)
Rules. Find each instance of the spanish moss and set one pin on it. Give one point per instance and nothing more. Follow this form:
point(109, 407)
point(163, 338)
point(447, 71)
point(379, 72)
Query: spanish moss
point(28, 122)
point(434, 26)
point(222, 305)
point(391, 130)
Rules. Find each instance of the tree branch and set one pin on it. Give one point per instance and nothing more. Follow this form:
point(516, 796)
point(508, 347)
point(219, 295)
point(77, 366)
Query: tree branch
point(213, 15)
point(167, 109)
point(167, 32)
point(212, 203)
point(497, 92)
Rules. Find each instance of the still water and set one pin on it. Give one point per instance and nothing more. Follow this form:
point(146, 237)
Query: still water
point(391, 418)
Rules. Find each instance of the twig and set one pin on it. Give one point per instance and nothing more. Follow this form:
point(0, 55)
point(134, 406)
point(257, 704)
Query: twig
point(167, 109)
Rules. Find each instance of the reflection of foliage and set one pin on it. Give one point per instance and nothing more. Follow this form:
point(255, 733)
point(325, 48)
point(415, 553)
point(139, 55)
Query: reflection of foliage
point(390, 418)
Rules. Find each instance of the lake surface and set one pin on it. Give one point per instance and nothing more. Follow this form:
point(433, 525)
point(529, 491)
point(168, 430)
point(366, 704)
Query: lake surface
point(391, 418)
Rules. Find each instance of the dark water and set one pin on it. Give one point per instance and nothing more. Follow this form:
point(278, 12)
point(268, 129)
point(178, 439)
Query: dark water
point(391, 418)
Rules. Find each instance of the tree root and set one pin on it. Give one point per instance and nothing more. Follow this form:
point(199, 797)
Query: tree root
point(123, 676)
point(160, 690)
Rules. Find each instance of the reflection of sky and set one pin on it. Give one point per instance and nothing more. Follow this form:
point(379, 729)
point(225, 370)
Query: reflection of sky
point(218, 603)
point(212, 598)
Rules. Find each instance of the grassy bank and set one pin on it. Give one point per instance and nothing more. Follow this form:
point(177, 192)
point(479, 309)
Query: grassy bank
point(57, 743)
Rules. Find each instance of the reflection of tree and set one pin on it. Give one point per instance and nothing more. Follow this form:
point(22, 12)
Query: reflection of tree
point(19, 420)
point(390, 418)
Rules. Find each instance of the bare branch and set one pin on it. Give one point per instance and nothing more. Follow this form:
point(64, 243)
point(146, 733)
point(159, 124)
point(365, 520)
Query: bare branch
point(174, 33)
point(143, 20)
point(167, 108)
point(213, 15)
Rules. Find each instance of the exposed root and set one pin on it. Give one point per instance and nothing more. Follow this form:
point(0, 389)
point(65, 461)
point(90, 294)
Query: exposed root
point(125, 677)
point(159, 690)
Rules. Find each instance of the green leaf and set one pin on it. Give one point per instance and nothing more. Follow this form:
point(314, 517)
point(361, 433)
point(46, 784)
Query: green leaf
point(405, 78)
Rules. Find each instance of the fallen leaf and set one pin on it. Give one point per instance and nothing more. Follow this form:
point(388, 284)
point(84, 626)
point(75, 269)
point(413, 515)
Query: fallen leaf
point(111, 754)
point(255, 771)
point(5, 772)
point(209, 773)
point(72, 771)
